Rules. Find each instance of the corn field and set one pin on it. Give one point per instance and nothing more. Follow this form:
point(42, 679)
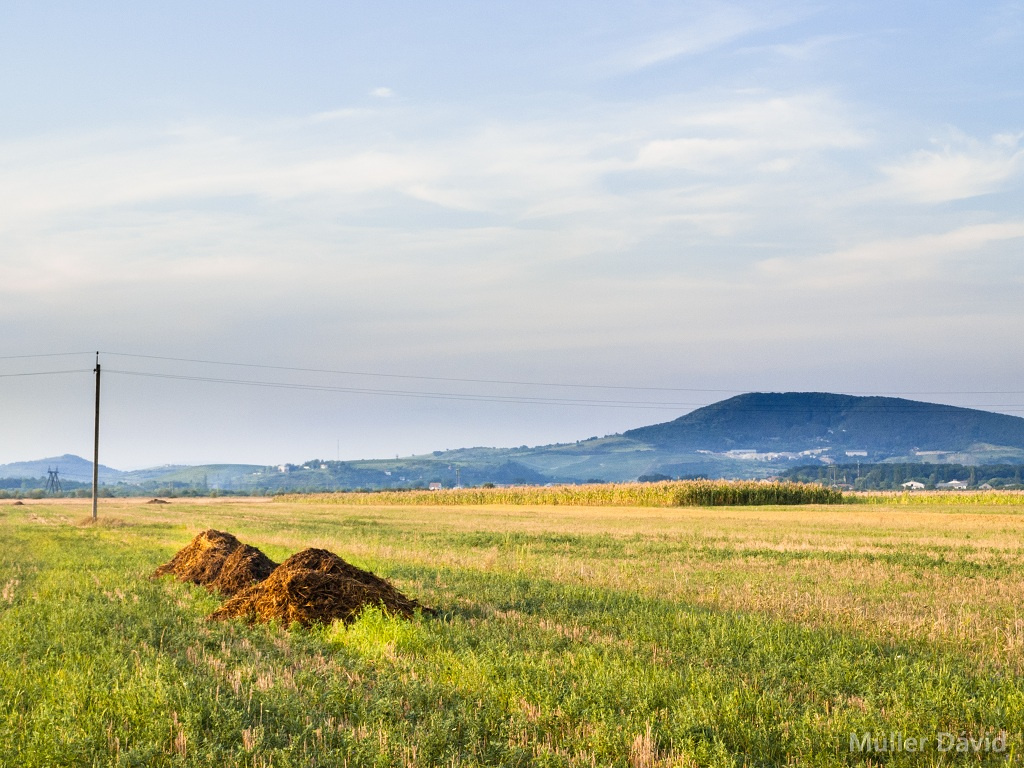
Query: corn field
point(938, 498)
point(683, 493)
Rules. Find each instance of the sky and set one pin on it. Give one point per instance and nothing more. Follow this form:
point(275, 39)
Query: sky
point(359, 230)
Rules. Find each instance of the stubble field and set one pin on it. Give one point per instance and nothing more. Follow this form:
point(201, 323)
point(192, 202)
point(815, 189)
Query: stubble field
point(568, 636)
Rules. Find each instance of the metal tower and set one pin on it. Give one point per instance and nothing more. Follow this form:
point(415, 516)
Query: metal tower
point(53, 481)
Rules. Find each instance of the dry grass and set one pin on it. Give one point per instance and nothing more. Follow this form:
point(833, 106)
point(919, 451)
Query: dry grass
point(945, 574)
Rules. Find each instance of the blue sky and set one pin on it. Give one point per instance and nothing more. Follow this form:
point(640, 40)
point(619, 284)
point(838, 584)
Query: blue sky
point(706, 198)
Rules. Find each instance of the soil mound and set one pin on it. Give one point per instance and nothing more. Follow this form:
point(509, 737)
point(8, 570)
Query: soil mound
point(316, 586)
point(218, 561)
point(242, 568)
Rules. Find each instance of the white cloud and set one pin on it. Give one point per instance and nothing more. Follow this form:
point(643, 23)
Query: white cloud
point(719, 26)
point(813, 120)
point(668, 187)
point(807, 49)
point(355, 161)
point(713, 25)
point(960, 168)
point(693, 153)
point(751, 132)
point(918, 260)
point(382, 93)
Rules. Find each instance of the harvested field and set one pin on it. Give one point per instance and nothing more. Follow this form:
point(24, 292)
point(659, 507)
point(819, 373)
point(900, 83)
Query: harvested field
point(572, 637)
point(218, 561)
point(316, 586)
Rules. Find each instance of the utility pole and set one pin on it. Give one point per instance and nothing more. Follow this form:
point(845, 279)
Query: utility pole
point(96, 443)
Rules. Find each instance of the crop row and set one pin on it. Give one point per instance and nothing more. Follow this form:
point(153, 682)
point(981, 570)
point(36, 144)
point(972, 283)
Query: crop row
point(682, 493)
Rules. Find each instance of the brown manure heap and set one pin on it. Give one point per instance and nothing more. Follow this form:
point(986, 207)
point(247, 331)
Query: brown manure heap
point(218, 561)
point(316, 586)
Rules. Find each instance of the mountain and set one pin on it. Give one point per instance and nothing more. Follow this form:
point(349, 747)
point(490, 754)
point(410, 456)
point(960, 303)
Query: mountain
point(800, 421)
point(68, 466)
point(764, 434)
point(747, 436)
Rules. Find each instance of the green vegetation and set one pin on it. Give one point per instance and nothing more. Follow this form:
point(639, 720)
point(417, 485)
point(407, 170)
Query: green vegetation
point(874, 477)
point(569, 636)
point(686, 493)
point(939, 498)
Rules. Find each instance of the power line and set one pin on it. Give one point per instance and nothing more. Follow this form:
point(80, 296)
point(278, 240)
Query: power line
point(42, 373)
point(527, 400)
point(572, 385)
point(48, 354)
point(589, 402)
point(409, 393)
point(421, 378)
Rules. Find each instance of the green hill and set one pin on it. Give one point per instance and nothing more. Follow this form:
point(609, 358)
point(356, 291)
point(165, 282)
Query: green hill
point(68, 466)
point(799, 421)
point(748, 436)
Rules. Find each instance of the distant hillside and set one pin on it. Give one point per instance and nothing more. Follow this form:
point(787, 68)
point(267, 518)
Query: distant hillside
point(748, 436)
point(69, 467)
point(800, 421)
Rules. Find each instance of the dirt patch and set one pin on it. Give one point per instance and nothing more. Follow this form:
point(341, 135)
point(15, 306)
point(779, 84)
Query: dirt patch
point(218, 561)
point(316, 586)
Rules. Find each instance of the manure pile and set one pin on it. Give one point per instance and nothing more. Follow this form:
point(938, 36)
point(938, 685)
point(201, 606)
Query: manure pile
point(312, 586)
point(218, 561)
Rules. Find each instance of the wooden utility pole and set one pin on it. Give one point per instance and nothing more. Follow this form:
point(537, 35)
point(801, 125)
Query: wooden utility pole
point(96, 443)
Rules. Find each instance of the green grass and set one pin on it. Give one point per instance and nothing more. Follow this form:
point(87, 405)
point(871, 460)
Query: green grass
point(568, 637)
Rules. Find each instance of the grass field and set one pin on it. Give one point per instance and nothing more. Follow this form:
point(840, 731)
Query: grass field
point(569, 636)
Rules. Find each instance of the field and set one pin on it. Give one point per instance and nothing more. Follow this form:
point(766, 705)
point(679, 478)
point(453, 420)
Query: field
point(568, 636)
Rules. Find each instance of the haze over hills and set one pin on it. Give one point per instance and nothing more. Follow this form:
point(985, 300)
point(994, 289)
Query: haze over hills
point(751, 435)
